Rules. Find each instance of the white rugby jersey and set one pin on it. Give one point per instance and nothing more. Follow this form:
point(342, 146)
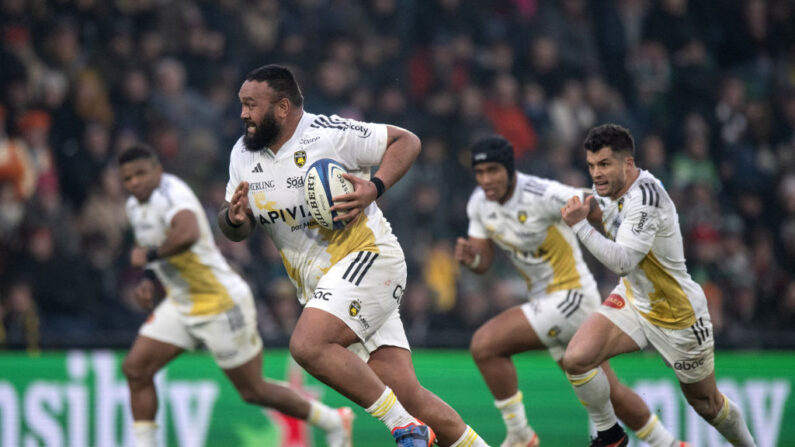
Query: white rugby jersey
point(530, 229)
point(276, 195)
point(660, 288)
point(199, 280)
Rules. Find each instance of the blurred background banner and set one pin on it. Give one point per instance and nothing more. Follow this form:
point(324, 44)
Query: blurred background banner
point(79, 398)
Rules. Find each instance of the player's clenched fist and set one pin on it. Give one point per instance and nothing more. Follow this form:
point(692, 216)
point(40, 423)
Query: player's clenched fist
point(463, 251)
point(238, 205)
point(574, 210)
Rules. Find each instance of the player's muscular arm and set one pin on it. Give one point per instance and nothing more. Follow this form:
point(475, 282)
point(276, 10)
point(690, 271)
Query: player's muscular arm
point(401, 150)
point(182, 234)
point(618, 258)
point(475, 253)
point(235, 218)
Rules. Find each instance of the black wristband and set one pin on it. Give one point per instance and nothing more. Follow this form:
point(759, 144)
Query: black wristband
point(229, 221)
point(150, 275)
point(379, 186)
point(152, 255)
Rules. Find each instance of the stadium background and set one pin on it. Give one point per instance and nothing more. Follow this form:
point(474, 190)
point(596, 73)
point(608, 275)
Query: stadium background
point(707, 88)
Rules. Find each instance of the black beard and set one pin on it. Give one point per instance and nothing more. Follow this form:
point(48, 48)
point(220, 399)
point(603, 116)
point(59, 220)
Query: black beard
point(265, 134)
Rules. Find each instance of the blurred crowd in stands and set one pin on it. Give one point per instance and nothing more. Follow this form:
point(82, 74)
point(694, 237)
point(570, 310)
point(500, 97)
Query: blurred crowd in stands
point(707, 88)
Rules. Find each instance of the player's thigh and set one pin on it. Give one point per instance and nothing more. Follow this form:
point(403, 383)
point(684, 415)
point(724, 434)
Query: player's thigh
point(556, 317)
point(689, 351)
point(147, 356)
point(232, 337)
point(163, 336)
point(610, 331)
point(362, 290)
point(508, 333)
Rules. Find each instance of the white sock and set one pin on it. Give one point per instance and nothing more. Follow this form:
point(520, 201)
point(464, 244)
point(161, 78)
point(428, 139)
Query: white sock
point(389, 411)
point(732, 426)
point(470, 439)
point(323, 416)
point(145, 433)
point(593, 390)
point(655, 434)
point(513, 413)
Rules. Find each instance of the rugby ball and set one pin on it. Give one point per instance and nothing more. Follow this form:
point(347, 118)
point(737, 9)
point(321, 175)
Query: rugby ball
point(324, 180)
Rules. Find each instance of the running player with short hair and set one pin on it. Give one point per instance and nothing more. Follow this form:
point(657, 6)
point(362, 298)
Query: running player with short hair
point(206, 302)
point(350, 281)
point(521, 214)
point(656, 301)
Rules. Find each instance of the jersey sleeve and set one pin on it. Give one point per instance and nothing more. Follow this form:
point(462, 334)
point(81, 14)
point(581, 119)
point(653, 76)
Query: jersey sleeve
point(177, 197)
point(556, 195)
point(234, 178)
point(359, 144)
point(476, 227)
point(642, 220)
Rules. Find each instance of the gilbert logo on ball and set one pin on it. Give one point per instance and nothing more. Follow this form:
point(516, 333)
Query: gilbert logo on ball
point(322, 182)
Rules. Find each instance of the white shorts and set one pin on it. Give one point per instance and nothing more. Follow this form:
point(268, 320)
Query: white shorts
point(557, 316)
point(364, 290)
point(231, 337)
point(690, 351)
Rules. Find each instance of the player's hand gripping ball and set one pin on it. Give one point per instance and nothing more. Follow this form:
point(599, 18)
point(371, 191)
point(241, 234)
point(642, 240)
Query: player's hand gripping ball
point(323, 181)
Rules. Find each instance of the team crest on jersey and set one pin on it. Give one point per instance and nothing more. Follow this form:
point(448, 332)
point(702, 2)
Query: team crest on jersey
point(300, 158)
point(620, 204)
point(354, 308)
point(522, 216)
point(553, 331)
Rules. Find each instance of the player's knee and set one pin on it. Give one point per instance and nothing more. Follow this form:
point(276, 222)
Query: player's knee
point(577, 361)
point(706, 405)
point(249, 396)
point(480, 348)
point(302, 350)
point(133, 371)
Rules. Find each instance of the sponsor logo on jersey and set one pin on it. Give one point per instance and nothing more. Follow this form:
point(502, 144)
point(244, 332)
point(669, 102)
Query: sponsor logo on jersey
point(299, 157)
point(288, 215)
point(295, 182)
point(397, 294)
point(363, 130)
point(615, 301)
point(265, 185)
point(688, 364)
point(321, 294)
point(354, 308)
point(522, 216)
point(257, 168)
point(308, 140)
point(493, 215)
point(639, 226)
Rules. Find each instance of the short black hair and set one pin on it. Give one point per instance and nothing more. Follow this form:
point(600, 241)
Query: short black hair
point(613, 136)
point(281, 80)
point(138, 152)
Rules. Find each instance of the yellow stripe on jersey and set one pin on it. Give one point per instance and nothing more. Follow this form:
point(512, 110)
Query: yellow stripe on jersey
point(558, 252)
point(341, 243)
point(292, 272)
point(627, 286)
point(208, 295)
point(670, 306)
